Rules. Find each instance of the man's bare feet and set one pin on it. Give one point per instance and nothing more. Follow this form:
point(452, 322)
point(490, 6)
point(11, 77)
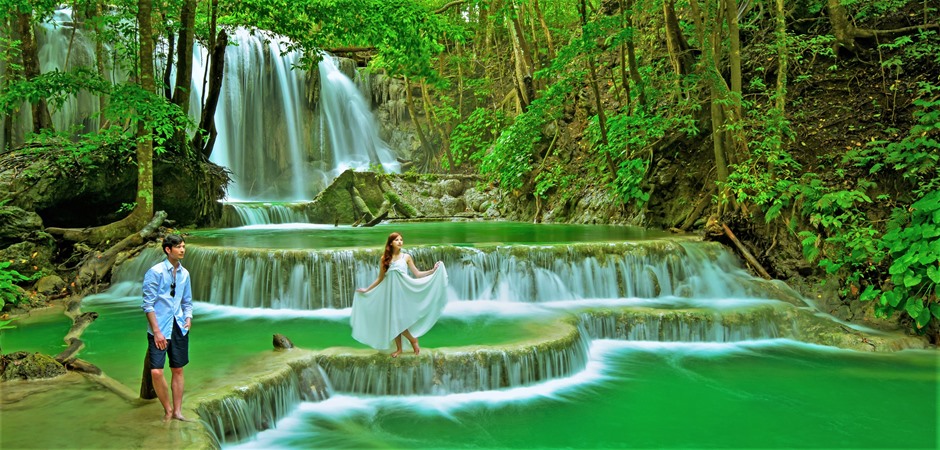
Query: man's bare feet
point(396, 353)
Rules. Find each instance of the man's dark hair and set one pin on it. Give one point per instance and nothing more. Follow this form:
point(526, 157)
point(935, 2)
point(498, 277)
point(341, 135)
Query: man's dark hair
point(171, 240)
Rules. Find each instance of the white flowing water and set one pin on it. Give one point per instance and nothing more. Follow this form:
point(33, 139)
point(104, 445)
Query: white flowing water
point(278, 145)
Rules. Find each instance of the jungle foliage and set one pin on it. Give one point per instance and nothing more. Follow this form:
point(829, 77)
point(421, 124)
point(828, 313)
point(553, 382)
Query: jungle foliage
point(546, 99)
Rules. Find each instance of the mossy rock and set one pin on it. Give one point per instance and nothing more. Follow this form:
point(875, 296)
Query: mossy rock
point(29, 366)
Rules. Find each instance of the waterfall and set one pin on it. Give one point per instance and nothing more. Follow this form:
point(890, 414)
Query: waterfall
point(267, 128)
point(63, 47)
point(347, 125)
point(258, 406)
point(262, 118)
point(278, 146)
point(240, 214)
point(314, 279)
point(560, 355)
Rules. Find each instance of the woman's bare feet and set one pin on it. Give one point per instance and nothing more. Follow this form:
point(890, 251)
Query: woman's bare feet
point(414, 345)
point(396, 353)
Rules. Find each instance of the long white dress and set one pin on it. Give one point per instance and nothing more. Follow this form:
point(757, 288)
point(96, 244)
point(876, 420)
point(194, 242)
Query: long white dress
point(398, 303)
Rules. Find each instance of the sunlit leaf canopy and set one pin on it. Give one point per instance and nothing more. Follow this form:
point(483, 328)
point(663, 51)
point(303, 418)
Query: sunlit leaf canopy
point(405, 34)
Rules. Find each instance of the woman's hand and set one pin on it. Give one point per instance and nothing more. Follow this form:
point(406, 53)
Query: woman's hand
point(360, 289)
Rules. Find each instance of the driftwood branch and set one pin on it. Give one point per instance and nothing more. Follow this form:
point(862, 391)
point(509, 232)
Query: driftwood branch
point(98, 265)
point(381, 215)
point(75, 346)
point(744, 252)
point(697, 212)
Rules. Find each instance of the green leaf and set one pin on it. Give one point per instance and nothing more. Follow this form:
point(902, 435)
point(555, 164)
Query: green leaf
point(935, 310)
point(890, 298)
point(934, 274)
point(870, 293)
point(928, 231)
point(912, 279)
point(914, 307)
point(923, 318)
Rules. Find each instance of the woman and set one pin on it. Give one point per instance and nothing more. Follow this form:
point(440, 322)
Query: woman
point(397, 305)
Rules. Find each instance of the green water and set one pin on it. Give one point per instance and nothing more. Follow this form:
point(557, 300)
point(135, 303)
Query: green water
point(222, 338)
point(776, 395)
point(415, 233)
point(756, 394)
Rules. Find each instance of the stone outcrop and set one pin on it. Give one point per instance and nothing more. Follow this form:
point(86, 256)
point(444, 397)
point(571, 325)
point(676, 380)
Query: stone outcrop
point(29, 366)
point(358, 197)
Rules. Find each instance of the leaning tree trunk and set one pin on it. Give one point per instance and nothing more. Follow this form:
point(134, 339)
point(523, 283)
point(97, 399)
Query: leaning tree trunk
point(204, 140)
point(523, 58)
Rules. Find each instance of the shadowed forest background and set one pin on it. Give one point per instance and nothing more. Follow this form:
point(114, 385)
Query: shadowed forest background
point(804, 134)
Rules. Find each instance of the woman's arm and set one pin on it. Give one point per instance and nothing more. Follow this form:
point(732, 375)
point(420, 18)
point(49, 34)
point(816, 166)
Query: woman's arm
point(376, 282)
point(414, 269)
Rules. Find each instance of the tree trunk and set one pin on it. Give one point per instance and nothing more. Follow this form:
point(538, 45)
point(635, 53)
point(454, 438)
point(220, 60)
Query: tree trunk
point(184, 65)
point(409, 102)
point(631, 60)
point(440, 129)
point(41, 118)
point(781, 30)
point(523, 59)
point(143, 211)
point(734, 53)
point(205, 136)
point(184, 62)
point(168, 70)
point(679, 50)
point(101, 58)
point(842, 27)
point(599, 105)
point(548, 34)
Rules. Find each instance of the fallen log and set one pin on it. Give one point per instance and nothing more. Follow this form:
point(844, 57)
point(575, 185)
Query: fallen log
point(745, 253)
point(75, 346)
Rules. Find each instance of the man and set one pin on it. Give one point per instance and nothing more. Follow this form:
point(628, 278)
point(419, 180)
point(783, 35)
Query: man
point(168, 303)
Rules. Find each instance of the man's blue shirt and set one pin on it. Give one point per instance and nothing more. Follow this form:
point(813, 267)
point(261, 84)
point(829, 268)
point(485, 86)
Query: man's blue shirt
point(157, 297)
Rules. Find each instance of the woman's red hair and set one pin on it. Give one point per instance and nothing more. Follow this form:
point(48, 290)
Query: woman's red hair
point(387, 256)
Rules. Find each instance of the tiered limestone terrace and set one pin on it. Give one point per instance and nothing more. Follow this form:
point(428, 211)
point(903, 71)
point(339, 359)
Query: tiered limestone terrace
point(519, 315)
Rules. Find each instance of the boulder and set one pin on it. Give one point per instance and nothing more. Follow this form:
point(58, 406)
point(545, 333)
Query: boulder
point(281, 342)
point(50, 285)
point(29, 366)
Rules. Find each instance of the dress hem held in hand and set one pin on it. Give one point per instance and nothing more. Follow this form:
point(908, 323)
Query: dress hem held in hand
point(398, 303)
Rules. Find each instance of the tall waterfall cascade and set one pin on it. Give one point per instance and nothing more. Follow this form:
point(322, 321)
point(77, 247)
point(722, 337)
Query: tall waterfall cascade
point(278, 145)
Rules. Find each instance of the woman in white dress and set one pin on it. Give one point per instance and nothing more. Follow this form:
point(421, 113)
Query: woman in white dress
point(396, 304)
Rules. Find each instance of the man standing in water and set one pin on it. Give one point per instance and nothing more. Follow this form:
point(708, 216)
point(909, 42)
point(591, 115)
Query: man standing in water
point(168, 303)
